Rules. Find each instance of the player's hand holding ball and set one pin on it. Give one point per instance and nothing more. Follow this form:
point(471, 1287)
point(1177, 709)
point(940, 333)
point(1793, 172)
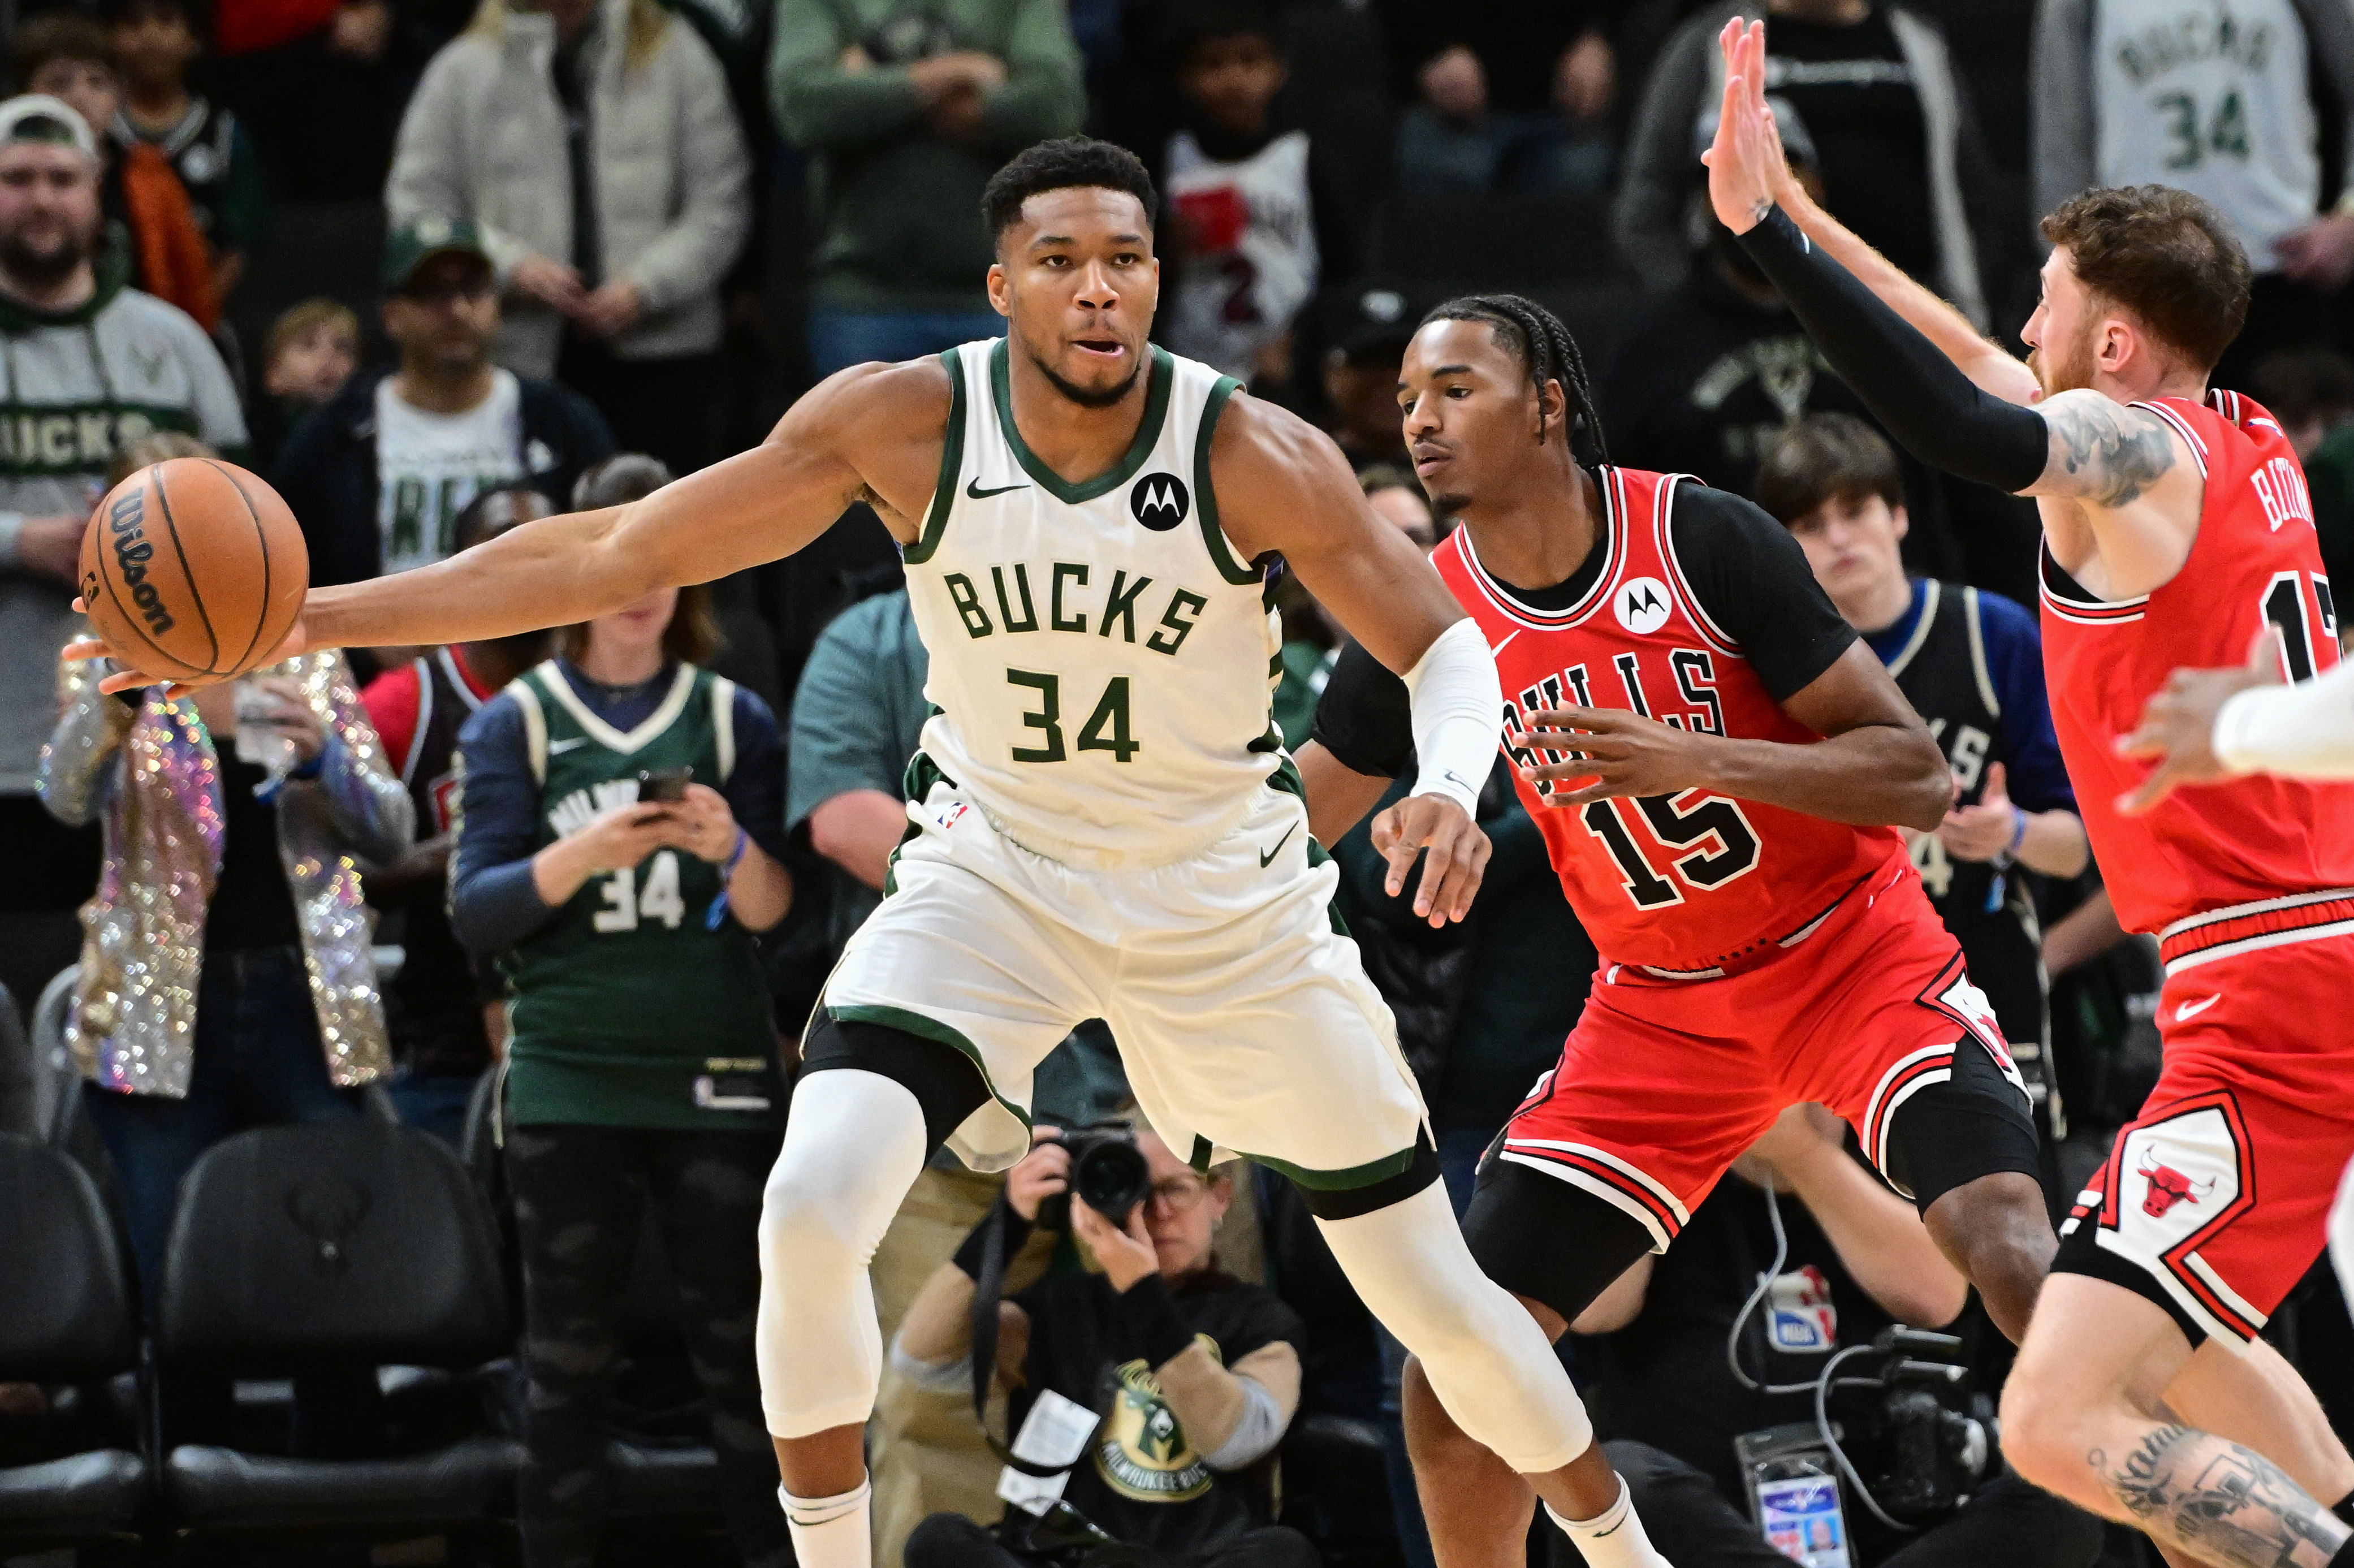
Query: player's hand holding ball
point(192, 571)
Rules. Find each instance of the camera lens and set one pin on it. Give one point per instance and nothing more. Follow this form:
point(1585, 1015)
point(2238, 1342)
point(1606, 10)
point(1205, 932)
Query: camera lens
point(1110, 1174)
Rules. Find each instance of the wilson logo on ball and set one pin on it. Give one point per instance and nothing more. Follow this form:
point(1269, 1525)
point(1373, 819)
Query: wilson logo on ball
point(132, 553)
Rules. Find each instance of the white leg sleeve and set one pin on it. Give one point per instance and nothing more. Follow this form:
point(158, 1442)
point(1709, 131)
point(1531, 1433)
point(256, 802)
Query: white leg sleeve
point(853, 1145)
point(1488, 1361)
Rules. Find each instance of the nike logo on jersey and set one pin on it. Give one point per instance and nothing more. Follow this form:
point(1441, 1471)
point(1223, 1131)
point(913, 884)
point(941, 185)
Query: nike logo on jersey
point(1500, 647)
point(558, 747)
point(1269, 858)
point(973, 489)
point(2193, 1009)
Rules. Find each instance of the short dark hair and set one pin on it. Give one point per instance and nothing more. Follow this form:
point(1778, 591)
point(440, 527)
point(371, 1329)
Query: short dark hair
point(1065, 163)
point(1209, 21)
point(61, 36)
point(2166, 256)
point(1825, 457)
point(1536, 337)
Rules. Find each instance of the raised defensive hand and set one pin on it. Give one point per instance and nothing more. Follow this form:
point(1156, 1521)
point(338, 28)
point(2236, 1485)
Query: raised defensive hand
point(1458, 855)
point(1621, 754)
point(1748, 173)
point(2178, 726)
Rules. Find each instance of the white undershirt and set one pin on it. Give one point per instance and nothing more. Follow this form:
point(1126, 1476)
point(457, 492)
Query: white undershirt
point(428, 466)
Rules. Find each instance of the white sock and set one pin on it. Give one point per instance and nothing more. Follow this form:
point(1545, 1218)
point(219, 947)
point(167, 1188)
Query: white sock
point(1616, 1538)
point(832, 1532)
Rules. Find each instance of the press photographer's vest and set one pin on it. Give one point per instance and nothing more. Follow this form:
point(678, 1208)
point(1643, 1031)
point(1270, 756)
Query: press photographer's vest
point(626, 1010)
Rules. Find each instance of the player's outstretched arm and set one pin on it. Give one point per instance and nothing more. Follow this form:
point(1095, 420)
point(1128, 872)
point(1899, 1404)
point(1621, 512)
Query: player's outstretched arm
point(1749, 175)
point(1284, 488)
point(873, 429)
point(1877, 765)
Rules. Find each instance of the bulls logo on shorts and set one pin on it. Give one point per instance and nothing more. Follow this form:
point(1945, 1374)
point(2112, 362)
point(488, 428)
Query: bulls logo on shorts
point(2169, 1188)
point(1159, 502)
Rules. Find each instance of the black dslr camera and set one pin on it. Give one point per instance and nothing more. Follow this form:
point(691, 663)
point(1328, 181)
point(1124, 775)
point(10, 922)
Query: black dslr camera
point(1107, 1170)
point(1931, 1455)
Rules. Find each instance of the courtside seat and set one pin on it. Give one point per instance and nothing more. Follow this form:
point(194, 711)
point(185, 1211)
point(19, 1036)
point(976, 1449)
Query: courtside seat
point(66, 1318)
point(334, 1248)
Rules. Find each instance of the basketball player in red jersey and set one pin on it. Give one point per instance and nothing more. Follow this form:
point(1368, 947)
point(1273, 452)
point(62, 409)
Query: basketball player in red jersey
point(1727, 838)
point(2176, 527)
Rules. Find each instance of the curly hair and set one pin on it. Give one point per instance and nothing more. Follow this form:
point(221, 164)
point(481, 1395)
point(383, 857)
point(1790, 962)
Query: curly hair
point(1065, 163)
point(2163, 254)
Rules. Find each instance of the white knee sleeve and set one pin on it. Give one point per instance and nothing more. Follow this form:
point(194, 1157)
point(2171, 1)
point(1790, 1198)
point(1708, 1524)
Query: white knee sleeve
point(1487, 1359)
point(853, 1145)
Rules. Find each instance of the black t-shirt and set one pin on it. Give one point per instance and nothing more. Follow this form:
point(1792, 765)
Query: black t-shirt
point(1853, 90)
point(1750, 577)
point(1663, 1379)
point(1141, 1477)
point(251, 905)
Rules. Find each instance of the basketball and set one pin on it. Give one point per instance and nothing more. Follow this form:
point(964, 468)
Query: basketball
point(192, 570)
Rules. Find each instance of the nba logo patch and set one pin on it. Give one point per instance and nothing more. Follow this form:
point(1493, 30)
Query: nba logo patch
point(952, 816)
point(1799, 1317)
point(1641, 604)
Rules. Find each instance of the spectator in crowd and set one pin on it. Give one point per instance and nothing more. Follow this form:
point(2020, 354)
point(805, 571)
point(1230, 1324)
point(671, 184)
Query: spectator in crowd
point(1757, 1296)
point(1508, 95)
point(445, 1028)
point(311, 351)
point(378, 476)
point(154, 43)
point(857, 719)
point(226, 980)
point(1971, 663)
point(2227, 105)
point(1714, 367)
point(321, 84)
point(592, 144)
point(1889, 123)
point(904, 109)
point(69, 57)
point(1192, 1374)
point(1368, 328)
point(2311, 392)
point(1242, 256)
point(93, 366)
point(606, 906)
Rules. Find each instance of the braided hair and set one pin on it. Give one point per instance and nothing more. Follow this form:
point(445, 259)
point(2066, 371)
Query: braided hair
point(1543, 344)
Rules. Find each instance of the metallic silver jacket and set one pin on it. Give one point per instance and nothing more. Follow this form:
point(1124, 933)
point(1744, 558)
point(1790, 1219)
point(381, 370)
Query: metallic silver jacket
point(155, 775)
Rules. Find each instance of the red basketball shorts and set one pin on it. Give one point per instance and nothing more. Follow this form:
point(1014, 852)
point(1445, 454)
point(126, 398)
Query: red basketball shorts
point(1664, 1082)
point(2216, 1201)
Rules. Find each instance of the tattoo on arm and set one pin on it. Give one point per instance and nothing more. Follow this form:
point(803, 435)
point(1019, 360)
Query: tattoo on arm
point(2103, 451)
point(2222, 1502)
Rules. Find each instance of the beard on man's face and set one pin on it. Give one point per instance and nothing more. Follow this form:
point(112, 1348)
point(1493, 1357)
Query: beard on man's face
point(43, 254)
point(2063, 366)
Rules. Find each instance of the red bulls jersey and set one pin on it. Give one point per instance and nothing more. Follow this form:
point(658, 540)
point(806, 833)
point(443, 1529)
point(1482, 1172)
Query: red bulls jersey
point(2255, 560)
point(1685, 883)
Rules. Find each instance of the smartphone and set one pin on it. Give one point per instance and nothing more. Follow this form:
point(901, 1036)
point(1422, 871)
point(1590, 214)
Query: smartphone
point(1793, 1494)
point(662, 785)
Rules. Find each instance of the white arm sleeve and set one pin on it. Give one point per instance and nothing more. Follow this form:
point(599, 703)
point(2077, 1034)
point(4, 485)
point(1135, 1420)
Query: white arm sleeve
point(1255, 1435)
point(1459, 712)
point(2305, 731)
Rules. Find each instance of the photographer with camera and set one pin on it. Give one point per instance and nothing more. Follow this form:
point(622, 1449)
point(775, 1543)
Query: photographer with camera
point(1709, 1383)
point(1192, 1375)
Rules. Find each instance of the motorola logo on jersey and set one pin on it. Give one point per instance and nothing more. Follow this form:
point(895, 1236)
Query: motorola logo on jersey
point(1642, 604)
point(1159, 502)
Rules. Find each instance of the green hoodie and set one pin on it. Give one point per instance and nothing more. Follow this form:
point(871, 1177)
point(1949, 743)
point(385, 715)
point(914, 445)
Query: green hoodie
point(899, 206)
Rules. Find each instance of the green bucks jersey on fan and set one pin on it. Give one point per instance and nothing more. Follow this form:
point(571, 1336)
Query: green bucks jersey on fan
point(627, 1008)
point(1100, 658)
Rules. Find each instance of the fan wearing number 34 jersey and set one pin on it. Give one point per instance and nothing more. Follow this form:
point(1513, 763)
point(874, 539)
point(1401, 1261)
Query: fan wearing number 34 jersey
point(1763, 938)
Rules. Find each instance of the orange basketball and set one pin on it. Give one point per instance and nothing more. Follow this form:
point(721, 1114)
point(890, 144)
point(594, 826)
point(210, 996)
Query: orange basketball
point(192, 570)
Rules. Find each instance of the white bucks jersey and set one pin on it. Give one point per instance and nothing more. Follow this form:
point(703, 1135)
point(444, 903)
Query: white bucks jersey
point(1101, 660)
point(2210, 96)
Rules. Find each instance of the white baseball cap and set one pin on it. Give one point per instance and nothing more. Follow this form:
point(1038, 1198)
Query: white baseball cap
point(38, 117)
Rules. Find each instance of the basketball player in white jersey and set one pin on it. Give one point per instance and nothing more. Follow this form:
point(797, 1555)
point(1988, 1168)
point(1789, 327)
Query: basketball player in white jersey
point(1103, 821)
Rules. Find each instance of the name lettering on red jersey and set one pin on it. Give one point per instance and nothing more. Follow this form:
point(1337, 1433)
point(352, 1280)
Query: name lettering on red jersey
point(2280, 491)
